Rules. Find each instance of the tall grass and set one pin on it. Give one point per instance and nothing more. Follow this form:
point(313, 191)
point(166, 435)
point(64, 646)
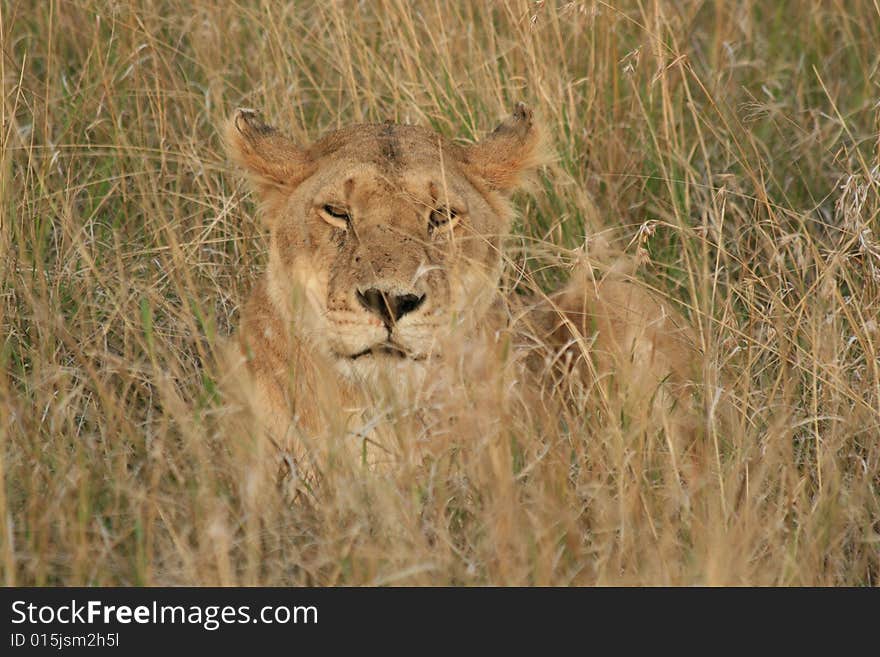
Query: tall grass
point(732, 147)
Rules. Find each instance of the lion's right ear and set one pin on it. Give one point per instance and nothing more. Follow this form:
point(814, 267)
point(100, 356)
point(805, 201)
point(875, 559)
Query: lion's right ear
point(273, 162)
point(510, 155)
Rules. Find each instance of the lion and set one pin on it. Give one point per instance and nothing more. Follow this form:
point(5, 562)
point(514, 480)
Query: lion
point(386, 252)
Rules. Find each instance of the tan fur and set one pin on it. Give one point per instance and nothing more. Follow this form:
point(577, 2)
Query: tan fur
point(308, 330)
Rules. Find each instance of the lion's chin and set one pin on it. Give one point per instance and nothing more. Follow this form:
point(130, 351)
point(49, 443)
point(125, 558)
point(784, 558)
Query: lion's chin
point(383, 361)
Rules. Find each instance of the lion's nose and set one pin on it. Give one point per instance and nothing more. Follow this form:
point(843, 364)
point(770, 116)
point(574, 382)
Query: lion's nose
point(389, 305)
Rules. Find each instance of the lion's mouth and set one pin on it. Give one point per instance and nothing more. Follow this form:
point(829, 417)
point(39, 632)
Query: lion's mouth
point(387, 350)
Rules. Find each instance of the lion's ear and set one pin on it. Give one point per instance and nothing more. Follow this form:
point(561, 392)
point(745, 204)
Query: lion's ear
point(273, 162)
point(507, 157)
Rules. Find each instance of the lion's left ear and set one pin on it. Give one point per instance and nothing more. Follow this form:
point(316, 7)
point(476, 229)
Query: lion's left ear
point(273, 162)
point(507, 157)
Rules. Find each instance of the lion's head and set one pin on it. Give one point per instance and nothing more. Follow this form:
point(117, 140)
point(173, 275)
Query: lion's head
point(384, 237)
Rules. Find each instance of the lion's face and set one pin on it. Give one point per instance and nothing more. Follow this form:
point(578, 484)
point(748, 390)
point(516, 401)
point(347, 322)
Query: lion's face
point(385, 239)
point(391, 244)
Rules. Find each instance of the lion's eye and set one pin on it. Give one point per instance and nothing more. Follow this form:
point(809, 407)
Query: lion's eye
point(336, 216)
point(442, 218)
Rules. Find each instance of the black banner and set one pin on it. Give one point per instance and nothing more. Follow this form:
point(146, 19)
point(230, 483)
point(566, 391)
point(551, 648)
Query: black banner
point(132, 621)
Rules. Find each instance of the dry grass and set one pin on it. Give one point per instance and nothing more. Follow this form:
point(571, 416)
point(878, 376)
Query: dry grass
point(733, 146)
